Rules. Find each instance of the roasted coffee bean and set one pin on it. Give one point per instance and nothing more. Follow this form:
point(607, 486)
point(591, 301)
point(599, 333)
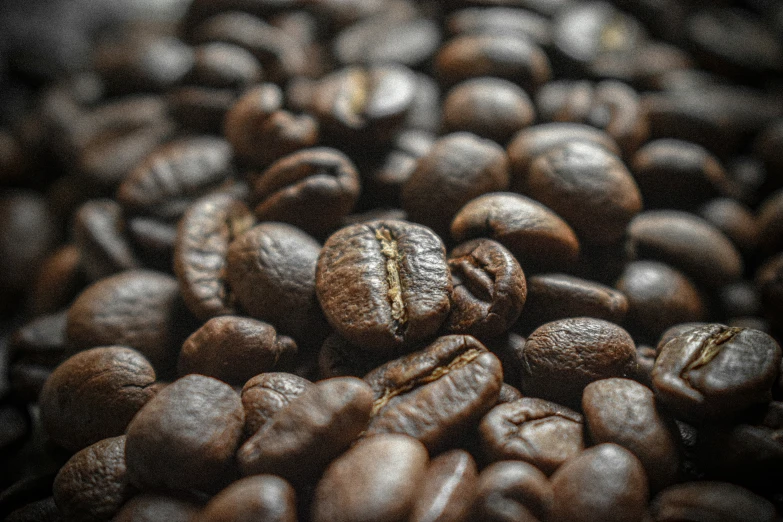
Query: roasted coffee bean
point(300, 440)
point(501, 20)
point(605, 482)
point(559, 296)
point(677, 174)
point(425, 110)
point(506, 56)
point(624, 412)
point(589, 187)
point(676, 331)
point(536, 431)
point(384, 285)
point(263, 497)
point(322, 180)
point(508, 349)
point(488, 107)
point(94, 394)
point(396, 167)
point(686, 242)
point(223, 66)
point(512, 490)
point(489, 289)
point(735, 220)
point(339, 358)
point(658, 297)
point(40, 341)
point(205, 232)
point(271, 270)
point(93, 484)
point(154, 239)
point(138, 308)
point(151, 507)
point(59, 280)
point(562, 357)
point(435, 393)
point(448, 489)
point(266, 394)
point(703, 501)
point(165, 183)
point(377, 479)
point(234, 349)
point(740, 299)
point(536, 236)
point(186, 436)
point(715, 372)
point(99, 231)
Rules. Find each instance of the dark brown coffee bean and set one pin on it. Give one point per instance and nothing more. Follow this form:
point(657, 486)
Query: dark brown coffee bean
point(605, 482)
point(435, 393)
point(234, 349)
point(677, 174)
point(624, 412)
point(589, 187)
point(94, 395)
point(264, 497)
point(137, 308)
point(525, 430)
point(223, 66)
point(58, 282)
point(489, 289)
point(40, 341)
point(501, 20)
point(458, 168)
point(536, 236)
point(488, 107)
point(389, 175)
point(300, 440)
point(266, 394)
point(508, 348)
point(562, 357)
point(704, 501)
point(658, 297)
point(676, 331)
point(377, 479)
point(686, 242)
point(513, 490)
point(559, 296)
point(165, 183)
point(740, 299)
point(154, 239)
point(339, 358)
point(392, 277)
point(186, 436)
point(715, 372)
point(448, 489)
point(99, 230)
point(93, 484)
point(735, 220)
point(271, 270)
point(322, 180)
point(205, 232)
point(505, 56)
point(151, 507)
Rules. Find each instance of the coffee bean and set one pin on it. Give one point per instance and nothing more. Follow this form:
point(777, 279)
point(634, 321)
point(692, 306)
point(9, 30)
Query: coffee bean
point(740, 299)
point(263, 497)
point(186, 436)
point(205, 232)
point(300, 440)
point(234, 349)
point(500, 20)
point(93, 484)
point(339, 358)
point(489, 289)
point(524, 430)
point(58, 282)
point(711, 501)
point(508, 349)
point(223, 66)
point(392, 277)
point(396, 167)
point(488, 107)
point(532, 232)
point(676, 331)
point(151, 507)
point(605, 482)
point(323, 180)
point(735, 220)
point(715, 372)
point(562, 357)
point(448, 489)
point(513, 490)
point(266, 394)
point(99, 231)
point(94, 395)
point(377, 479)
point(625, 412)
point(435, 393)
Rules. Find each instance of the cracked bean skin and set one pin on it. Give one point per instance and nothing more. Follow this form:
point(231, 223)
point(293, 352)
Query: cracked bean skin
point(715, 372)
point(536, 431)
point(94, 394)
point(204, 233)
point(489, 289)
point(384, 285)
point(266, 394)
point(437, 393)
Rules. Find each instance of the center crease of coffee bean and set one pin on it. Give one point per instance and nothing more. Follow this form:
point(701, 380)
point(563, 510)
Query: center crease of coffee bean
point(393, 257)
point(711, 347)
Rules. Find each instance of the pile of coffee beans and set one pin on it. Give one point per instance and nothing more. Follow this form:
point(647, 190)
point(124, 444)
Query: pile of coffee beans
point(392, 261)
